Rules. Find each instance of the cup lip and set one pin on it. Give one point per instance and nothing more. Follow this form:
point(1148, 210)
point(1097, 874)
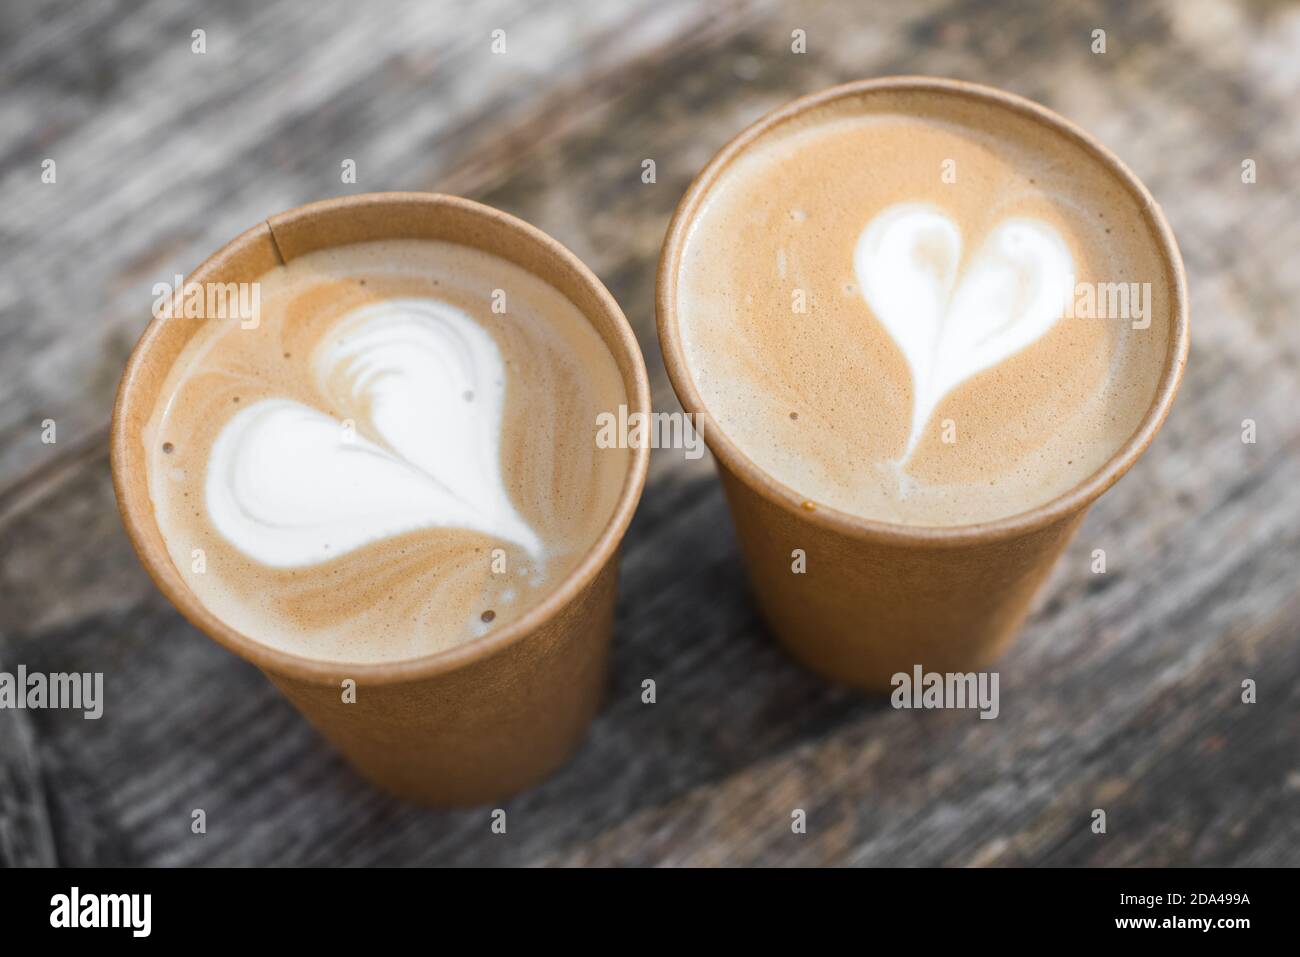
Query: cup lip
point(918, 536)
point(137, 517)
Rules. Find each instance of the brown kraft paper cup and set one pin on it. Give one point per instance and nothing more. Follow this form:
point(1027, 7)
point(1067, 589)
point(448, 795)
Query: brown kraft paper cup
point(877, 598)
point(486, 718)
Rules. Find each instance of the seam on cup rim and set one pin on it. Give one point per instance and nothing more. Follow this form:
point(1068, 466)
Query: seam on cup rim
point(275, 241)
point(851, 525)
point(136, 515)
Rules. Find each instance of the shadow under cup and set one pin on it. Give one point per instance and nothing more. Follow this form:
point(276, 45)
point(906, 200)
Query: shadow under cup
point(474, 722)
point(877, 599)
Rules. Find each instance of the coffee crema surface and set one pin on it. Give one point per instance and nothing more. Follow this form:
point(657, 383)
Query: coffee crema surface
point(399, 457)
point(872, 302)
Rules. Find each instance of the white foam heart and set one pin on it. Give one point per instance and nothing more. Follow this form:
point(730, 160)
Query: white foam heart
point(290, 486)
point(952, 320)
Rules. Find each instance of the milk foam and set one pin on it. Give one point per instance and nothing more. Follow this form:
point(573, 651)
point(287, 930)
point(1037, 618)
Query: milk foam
point(869, 302)
point(951, 323)
point(291, 486)
point(387, 465)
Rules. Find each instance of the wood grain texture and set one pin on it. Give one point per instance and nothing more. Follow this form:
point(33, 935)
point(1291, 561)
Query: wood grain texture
point(1124, 690)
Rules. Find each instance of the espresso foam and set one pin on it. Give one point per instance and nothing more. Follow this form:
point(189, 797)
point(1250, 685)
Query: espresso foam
point(868, 304)
point(386, 466)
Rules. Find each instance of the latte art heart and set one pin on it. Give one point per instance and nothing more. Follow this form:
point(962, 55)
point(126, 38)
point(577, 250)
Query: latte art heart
point(951, 320)
point(289, 485)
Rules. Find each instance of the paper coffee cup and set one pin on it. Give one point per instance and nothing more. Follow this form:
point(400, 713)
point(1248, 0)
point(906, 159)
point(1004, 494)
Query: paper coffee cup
point(880, 598)
point(480, 720)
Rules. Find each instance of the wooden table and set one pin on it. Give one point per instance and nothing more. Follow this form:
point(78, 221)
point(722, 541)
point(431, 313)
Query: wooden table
point(1124, 692)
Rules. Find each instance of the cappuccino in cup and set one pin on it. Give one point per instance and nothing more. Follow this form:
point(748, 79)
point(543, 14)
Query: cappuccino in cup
point(926, 323)
point(384, 488)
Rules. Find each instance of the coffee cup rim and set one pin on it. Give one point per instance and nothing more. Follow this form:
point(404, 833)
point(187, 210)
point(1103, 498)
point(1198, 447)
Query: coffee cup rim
point(137, 517)
point(1077, 498)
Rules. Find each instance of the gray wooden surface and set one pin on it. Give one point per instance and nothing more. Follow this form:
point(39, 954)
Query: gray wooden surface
point(1124, 691)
